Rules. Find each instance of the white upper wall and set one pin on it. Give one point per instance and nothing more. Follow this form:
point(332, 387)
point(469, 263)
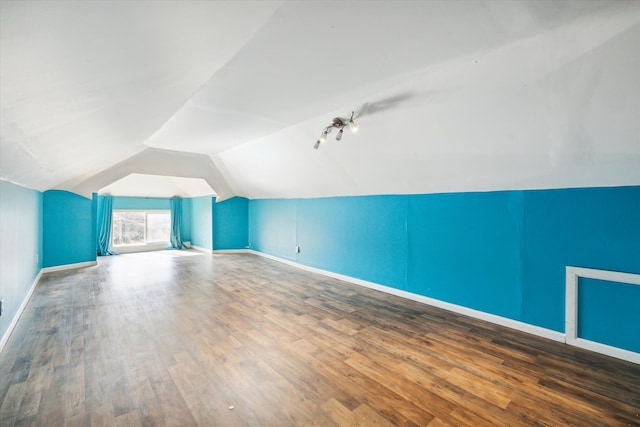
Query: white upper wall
point(143, 185)
point(451, 96)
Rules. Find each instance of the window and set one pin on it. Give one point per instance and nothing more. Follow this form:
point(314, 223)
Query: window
point(140, 227)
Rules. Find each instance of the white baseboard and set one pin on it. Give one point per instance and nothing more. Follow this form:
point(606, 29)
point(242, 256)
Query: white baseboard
point(220, 251)
point(15, 319)
point(481, 315)
point(69, 266)
point(618, 353)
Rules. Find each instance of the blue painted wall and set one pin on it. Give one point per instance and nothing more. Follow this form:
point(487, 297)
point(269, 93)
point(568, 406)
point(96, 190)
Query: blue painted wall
point(464, 248)
point(141, 203)
point(68, 229)
point(363, 237)
point(273, 227)
point(201, 222)
point(609, 313)
point(499, 252)
point(587, 227)
point(21, 250)
point(230, 224)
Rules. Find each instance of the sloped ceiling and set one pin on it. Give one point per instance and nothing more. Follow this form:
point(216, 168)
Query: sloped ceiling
point(449, 96)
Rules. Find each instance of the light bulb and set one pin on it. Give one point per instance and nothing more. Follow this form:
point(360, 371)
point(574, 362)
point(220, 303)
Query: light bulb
point(353, 126)
point(339, 135)
point(316, 145)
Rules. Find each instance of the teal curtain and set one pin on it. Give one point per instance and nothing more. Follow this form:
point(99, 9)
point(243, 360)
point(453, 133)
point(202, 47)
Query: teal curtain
point(104, 227)
point(176, 222)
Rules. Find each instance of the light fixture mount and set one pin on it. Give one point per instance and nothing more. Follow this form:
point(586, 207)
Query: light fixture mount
point(337, 123)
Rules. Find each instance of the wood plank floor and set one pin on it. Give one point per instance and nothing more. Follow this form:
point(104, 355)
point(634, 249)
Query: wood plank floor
point(183, 338)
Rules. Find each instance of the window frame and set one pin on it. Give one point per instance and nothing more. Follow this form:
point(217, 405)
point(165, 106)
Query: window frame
point(146, 244)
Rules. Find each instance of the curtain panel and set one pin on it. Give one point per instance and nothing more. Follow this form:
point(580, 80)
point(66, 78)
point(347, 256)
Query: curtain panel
point(176, 223)
point(104, 227)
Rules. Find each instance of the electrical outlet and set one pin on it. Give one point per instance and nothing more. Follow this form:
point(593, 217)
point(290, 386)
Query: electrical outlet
point(297, 249)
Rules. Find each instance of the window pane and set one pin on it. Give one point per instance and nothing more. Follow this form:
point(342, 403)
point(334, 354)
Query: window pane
point(128, 228)
point(158, 227)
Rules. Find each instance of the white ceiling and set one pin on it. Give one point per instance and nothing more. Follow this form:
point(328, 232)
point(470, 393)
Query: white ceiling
point(451, 95)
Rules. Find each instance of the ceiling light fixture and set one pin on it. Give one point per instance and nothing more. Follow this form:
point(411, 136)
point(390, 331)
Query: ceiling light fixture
point(337, 123)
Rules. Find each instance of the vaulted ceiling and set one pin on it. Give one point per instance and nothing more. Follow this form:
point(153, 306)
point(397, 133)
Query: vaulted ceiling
point(448, 95)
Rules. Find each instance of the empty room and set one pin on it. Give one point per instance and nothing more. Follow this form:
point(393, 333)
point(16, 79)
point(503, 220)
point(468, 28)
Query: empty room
point(320, 213)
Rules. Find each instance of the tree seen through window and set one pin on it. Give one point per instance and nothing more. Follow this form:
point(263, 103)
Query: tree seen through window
point(139, 227)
